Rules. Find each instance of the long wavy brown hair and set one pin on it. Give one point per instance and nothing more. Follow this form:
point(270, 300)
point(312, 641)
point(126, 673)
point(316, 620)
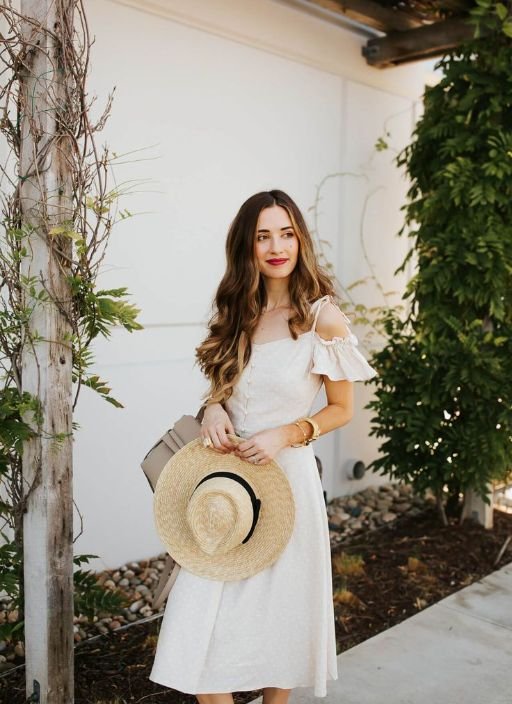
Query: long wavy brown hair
point(241, 294)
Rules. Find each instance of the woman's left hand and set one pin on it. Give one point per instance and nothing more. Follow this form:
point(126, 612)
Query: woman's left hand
point(262, 447)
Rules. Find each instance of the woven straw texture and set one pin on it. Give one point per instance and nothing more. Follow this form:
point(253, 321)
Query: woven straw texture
point(273, 529)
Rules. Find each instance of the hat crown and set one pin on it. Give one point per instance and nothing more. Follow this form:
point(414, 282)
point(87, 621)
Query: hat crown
point(247, 527)
point(219, 514)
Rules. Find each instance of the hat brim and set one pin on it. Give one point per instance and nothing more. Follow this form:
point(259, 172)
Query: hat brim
point(174, 487)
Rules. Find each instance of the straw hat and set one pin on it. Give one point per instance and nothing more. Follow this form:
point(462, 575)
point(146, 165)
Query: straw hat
point(219, 516)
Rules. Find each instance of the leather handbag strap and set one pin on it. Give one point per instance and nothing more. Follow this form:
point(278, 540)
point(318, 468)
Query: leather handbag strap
point(165, 583)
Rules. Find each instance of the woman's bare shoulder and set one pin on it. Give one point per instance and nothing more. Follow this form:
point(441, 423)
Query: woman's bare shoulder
point(331, 322)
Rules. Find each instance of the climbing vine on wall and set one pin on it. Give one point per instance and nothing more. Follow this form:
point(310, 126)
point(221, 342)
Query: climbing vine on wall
point(443, 400)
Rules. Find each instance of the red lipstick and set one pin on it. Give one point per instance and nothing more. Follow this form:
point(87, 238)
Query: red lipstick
point(276, 262)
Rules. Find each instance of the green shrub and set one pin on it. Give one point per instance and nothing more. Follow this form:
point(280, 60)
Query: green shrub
point(443, 399)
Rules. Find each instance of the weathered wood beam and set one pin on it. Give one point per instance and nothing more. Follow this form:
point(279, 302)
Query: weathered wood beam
point(370, 14)
point(45, 195)
point(415, 44)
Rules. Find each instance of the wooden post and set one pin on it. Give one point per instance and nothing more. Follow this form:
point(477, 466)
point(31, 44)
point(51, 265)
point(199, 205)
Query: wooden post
point(45, 188)
point(476, 508)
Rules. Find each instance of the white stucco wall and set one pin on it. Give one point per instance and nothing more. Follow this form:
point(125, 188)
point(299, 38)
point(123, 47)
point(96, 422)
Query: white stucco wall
point(215, 101)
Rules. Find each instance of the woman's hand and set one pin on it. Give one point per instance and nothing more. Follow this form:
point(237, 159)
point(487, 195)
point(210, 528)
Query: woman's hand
point(216, 423)
point(262, 447)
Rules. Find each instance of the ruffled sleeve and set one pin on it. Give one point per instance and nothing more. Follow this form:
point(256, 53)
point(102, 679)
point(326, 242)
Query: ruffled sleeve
point(340, 358)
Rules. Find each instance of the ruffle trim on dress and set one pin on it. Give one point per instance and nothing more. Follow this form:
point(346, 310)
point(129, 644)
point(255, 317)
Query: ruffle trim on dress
point(340, 358)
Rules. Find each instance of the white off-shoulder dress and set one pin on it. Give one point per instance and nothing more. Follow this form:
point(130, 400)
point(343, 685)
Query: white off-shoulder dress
point(276, 628)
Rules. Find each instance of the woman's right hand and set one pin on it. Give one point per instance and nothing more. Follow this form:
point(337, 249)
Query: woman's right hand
point(215, 424)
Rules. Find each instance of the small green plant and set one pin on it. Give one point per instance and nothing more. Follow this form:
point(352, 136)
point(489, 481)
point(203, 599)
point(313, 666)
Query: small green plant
point(90, 597)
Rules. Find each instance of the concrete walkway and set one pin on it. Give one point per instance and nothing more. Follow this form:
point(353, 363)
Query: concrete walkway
point(458, 651)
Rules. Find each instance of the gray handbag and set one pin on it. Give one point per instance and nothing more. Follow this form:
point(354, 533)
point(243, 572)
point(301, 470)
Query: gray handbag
point(186, 429)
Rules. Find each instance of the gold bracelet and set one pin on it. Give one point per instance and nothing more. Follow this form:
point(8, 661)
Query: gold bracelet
point(316, 431)
point(314, 425)
point(304, 442)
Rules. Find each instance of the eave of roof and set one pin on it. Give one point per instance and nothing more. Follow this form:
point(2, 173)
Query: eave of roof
point(398, 31)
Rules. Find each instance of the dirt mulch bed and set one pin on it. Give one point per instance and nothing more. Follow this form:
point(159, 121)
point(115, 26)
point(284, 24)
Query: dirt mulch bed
point(409, 567)
point(380, 578)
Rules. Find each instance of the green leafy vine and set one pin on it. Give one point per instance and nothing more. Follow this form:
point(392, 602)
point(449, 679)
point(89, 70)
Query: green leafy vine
point(443, 400)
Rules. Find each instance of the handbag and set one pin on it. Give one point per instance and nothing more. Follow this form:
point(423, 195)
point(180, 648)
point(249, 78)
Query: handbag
point(186, 429)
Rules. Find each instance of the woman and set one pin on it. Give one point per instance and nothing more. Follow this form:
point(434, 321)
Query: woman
point(276, 335)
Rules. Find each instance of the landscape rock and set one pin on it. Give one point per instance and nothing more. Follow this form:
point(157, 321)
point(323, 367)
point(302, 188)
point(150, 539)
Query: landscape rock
point(136, 606)
point(338, 518)
point(402, 507)
point(388, 517)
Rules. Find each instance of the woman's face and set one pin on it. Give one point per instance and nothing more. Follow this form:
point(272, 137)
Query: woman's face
point(276, 245)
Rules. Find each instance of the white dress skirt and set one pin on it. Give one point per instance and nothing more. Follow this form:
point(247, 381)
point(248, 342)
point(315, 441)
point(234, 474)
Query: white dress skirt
point(276, 628)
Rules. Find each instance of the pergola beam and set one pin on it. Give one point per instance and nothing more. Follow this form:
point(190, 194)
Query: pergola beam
point(369, 13)
point(414, 44)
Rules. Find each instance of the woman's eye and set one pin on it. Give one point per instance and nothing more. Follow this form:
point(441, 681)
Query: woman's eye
point(285, 234)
